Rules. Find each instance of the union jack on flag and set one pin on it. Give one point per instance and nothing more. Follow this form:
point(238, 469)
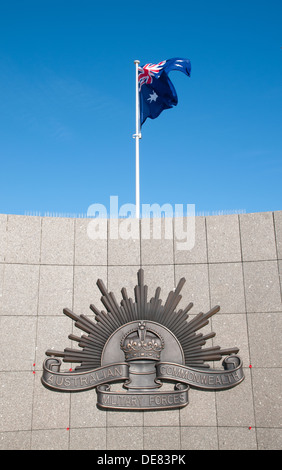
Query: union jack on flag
point(148, 71)
point(156, 90)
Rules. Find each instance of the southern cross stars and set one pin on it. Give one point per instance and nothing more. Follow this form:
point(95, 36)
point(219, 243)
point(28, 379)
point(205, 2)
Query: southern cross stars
point(152, 97)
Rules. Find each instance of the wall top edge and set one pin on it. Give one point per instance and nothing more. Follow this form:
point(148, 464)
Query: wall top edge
point(84, 217)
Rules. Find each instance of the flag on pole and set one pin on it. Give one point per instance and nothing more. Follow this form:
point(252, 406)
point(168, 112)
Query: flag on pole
point(156, 90)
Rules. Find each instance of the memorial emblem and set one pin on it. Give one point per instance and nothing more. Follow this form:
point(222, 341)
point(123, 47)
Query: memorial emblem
point(142, 344)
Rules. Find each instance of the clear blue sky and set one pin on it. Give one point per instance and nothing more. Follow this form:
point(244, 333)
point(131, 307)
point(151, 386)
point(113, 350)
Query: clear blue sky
point(67, 104)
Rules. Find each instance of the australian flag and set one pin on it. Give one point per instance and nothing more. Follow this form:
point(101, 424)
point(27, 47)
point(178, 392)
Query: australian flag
point(156, 90)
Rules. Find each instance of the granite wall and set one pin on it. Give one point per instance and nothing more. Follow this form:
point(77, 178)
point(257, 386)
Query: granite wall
point(47, 264)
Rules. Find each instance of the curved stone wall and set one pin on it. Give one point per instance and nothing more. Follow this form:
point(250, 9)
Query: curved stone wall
point(47, 264)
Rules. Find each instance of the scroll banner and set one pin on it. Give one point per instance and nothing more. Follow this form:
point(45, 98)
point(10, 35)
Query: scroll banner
point(184, 377)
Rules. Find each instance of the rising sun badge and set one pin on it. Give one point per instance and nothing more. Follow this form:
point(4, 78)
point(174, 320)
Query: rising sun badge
point(141, 344)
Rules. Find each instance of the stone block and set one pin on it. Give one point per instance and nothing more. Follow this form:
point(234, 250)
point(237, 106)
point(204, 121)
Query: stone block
point(17, 342)
point(267, 386)
point(196, 288)
point(84, 412)
point(223, 238)
point(3, 236)
point(241, 438)
point(280, 272)
point(88, 439)
point(16, 440)
point(269, 438)
point(119, 439)
point(2, 268)
point(257, 236)
point(197, 254)
point(57, 241)
point(265, 339)
point(122, 276)
point(86, 291)
point(227, 287)
point(157, 241)
point(231, 331)
point(16, 394)
point(50, 409)
point(55, 289)
point(124, 419)
point(52, 333)
point(23, 239)
point(90, 250)
point(123, 242)
point(235, 406)
point(159, 276)
point(20, 290)
point(50, 439)
point(201, 410)
point(162, 438)
point(262, 287)
point(278, 232)
point(199, 438)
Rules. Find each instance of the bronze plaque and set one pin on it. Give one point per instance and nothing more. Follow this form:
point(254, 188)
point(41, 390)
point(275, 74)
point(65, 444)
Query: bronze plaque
point(142, 343)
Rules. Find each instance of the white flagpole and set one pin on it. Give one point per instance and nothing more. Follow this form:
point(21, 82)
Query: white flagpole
point(137, 137)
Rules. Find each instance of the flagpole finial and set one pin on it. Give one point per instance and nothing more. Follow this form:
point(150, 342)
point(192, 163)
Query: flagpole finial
point(137, 62)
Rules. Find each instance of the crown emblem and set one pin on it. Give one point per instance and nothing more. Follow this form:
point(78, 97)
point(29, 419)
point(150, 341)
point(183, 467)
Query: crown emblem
point(142, 343)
